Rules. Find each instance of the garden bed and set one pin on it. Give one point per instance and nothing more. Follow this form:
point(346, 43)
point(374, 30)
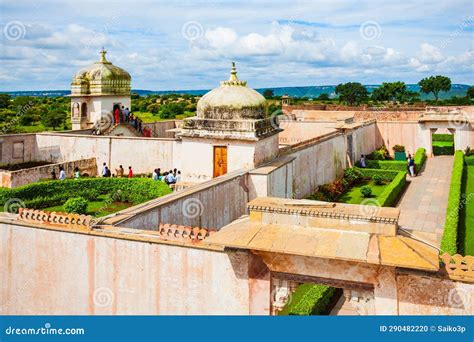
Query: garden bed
point(104, 195)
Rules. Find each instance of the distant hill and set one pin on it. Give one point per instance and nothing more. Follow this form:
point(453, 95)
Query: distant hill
point(305, 91)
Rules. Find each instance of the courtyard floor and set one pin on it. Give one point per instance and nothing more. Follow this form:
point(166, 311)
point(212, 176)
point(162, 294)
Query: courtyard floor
point(423, 205)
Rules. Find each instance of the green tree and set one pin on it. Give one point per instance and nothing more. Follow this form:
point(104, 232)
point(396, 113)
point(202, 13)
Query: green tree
point(4, 100)
point(470, 92)
point(351, 93)
point(268, 94)
point(435, 84)
point(390, 91)
point(323, 97)
point(54, 118)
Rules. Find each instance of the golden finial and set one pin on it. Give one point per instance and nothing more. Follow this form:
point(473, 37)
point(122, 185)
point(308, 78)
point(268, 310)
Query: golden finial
point(102, 58)
point(233, 73)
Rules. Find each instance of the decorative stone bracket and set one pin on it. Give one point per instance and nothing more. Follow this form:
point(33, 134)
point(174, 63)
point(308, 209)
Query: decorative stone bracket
point(458, 267)
point(45, 217)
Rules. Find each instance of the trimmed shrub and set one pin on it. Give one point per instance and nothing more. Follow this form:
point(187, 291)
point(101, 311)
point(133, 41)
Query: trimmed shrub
point(396, 165)
point(377, 179)
point(399, 148)
point(366, 191)
point(419, 158)
point(352, 174)
point(443, 148)
point(386, 175)
point(469, 161)
point(442, 137)
point(391, 193)
point(76, 205)
point(450, 234)
point(309, 299)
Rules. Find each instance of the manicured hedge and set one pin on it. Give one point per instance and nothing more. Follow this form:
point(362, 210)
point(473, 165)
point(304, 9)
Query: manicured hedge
point(420, 158)
point(51, 193)
point(443, 137)
point(469, 160)
point(443, 148)
point(309, 299)
point(450, 234)
point(393, 190)
point(387, 175)
point(385, 165)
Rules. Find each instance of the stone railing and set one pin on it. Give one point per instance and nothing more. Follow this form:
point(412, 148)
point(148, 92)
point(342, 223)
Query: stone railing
point(458, 267)
point(53, 218)
point(175, 232)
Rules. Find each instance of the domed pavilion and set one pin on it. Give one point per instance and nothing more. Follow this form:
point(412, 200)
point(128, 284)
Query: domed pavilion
point(230, 131)
point(96, 91)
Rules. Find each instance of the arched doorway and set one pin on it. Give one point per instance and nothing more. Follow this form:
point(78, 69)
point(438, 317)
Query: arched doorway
point(84, 111)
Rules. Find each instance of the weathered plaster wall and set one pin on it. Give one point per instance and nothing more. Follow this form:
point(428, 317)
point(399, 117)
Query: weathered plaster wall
point(422, 295)
point(12, 179)
point(318, 163)
point(143, 154)
point(17, 148)
point(78, 274)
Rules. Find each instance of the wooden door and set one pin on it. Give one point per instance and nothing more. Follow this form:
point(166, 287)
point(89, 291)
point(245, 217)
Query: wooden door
point(220, 160)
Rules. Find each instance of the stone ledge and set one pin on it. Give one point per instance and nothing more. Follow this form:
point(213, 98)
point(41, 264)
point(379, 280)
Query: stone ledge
point(45, 217)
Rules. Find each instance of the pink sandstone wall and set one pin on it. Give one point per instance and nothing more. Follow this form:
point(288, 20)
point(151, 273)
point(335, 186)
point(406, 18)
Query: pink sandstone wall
point(12, 179)
point(296, 131)
point(47, 272)
point(400, 133)
point(6, 148)
point(159, 128)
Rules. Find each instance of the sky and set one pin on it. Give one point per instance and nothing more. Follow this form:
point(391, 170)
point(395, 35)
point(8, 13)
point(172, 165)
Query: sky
point(186, 44)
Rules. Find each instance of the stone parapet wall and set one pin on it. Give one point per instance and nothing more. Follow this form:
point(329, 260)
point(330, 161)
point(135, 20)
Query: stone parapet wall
point(13, 179)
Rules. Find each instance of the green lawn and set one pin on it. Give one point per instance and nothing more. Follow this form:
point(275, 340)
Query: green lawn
point(466, 216)
point(353, 195)
point(147, 117)
point(97, 208)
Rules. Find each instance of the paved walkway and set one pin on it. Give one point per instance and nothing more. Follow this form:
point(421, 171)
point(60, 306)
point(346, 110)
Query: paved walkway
point(423, 206)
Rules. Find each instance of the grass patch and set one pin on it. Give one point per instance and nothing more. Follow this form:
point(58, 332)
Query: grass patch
point(309, 299)
point(101, 207)
point(354, 196)
point(148, 117)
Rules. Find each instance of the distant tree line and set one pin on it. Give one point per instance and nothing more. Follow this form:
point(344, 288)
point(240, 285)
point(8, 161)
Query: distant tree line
point(165, 106)
point(32, 114)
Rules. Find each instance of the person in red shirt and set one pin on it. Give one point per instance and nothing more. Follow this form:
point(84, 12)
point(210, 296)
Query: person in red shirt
point(130, 172)
point(117, 115)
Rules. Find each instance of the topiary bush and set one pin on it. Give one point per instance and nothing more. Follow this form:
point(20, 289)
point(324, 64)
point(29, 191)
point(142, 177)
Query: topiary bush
point(450, 234)
point(366, 191)
point(76, 205)
point(419, 158)
point(377, 179)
